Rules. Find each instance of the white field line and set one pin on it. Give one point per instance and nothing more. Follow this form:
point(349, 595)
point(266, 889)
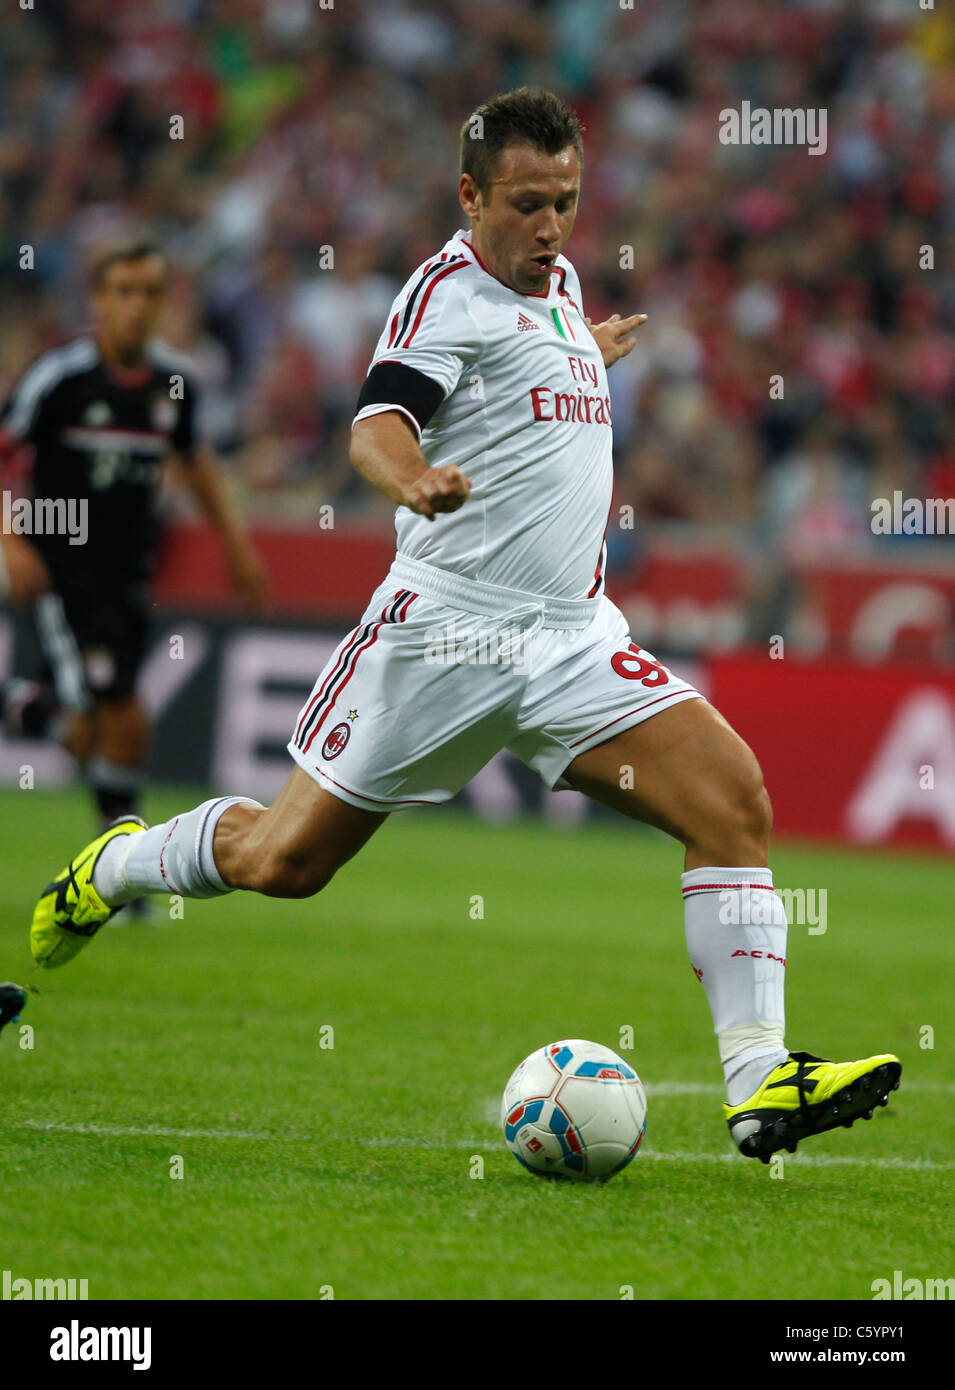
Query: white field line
point(107, 1131)
point(916, 1165)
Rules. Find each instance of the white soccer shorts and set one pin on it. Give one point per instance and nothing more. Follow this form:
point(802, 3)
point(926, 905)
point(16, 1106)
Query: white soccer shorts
point(442, 673)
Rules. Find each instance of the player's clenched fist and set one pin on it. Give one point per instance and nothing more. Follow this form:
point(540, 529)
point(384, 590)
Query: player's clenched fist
point(442, 489)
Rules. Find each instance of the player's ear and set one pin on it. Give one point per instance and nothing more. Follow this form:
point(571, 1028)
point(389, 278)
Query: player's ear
point(469, 195)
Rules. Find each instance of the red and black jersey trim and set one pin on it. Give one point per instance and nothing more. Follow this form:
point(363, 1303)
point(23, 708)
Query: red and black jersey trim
point(357, 641)
point(562, 287)
point(601, 562)
point(599, 571)
point(429, 278)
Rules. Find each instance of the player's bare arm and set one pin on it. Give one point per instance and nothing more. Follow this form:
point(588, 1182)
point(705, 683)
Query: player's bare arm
point(203, 476)
point(23, 575)
point(615, 336)
point(386, 453)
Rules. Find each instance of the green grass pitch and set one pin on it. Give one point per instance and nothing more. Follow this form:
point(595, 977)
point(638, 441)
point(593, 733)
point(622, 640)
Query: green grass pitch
point(353, 1167)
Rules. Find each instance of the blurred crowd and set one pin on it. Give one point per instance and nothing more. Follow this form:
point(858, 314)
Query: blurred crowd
point(307, 128)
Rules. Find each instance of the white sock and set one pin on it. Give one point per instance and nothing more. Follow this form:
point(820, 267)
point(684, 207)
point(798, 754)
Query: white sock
point(175, 857)
point(736, 934)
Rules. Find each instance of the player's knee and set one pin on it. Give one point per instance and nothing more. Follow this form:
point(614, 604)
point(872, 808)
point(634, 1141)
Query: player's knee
point(124, 730)
point(138, 726)
point(755, 811)
point(748, 811)
point(739, 832)
point(139, 722)
point(79, 737)
point(135, 739)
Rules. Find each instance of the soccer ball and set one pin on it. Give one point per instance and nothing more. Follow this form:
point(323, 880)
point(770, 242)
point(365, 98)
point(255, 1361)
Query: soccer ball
point(574, 1110)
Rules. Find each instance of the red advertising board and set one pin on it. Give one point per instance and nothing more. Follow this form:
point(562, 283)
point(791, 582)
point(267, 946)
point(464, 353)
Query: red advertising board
point(688, 597)
point(864, 754)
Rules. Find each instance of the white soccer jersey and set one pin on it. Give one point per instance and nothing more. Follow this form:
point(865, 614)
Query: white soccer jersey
point(526, 415)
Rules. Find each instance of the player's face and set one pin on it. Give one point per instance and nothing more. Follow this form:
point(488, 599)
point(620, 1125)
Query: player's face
point(527, 216)
point(128, 303)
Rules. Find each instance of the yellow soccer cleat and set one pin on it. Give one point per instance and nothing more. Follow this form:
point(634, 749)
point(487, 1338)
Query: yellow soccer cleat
point(806, 1095)
point(70, 910)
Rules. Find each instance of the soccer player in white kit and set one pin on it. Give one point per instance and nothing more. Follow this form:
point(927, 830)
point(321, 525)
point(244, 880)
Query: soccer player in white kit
point(485, 416)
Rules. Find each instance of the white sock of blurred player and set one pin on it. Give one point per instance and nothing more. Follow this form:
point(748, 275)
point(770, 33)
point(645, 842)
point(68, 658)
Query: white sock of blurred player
point(736, 934)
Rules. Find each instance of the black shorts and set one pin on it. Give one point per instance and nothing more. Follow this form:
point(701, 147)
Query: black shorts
point(94, 639)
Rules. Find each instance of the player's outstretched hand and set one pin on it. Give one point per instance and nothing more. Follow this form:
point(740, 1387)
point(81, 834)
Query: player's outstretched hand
point(442, 489)
point(613, 336)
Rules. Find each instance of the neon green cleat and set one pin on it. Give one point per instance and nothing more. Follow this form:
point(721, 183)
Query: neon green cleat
point(807, 1095)
point(70, 910)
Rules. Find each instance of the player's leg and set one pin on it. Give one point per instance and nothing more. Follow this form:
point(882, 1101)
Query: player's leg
point(61, 652)
point(675, 763)
point(112, 627)
point(357, 762)
point(295, 848)
point(687, 772)
point(76, 732)
point(290, 850)
point(115, 765)
point(58, 704)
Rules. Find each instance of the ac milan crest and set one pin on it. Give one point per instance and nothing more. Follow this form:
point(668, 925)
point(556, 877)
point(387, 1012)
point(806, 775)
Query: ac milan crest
point(335, 743)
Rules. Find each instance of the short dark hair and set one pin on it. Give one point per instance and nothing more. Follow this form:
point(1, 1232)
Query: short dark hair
point(131, 248)
point(529, 115)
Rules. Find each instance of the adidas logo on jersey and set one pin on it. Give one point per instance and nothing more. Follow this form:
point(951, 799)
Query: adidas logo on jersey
point(524, 323)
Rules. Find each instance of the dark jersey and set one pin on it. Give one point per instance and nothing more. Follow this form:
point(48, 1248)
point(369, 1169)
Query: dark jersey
point(101, 438)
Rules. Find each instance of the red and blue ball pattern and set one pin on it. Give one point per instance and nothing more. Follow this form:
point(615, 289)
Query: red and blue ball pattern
point(574, 1110)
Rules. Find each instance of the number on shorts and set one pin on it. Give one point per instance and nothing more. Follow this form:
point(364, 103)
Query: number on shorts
point(637, 665)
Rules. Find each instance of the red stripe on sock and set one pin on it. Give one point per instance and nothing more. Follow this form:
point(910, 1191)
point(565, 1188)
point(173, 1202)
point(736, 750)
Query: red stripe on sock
point(712, 887)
